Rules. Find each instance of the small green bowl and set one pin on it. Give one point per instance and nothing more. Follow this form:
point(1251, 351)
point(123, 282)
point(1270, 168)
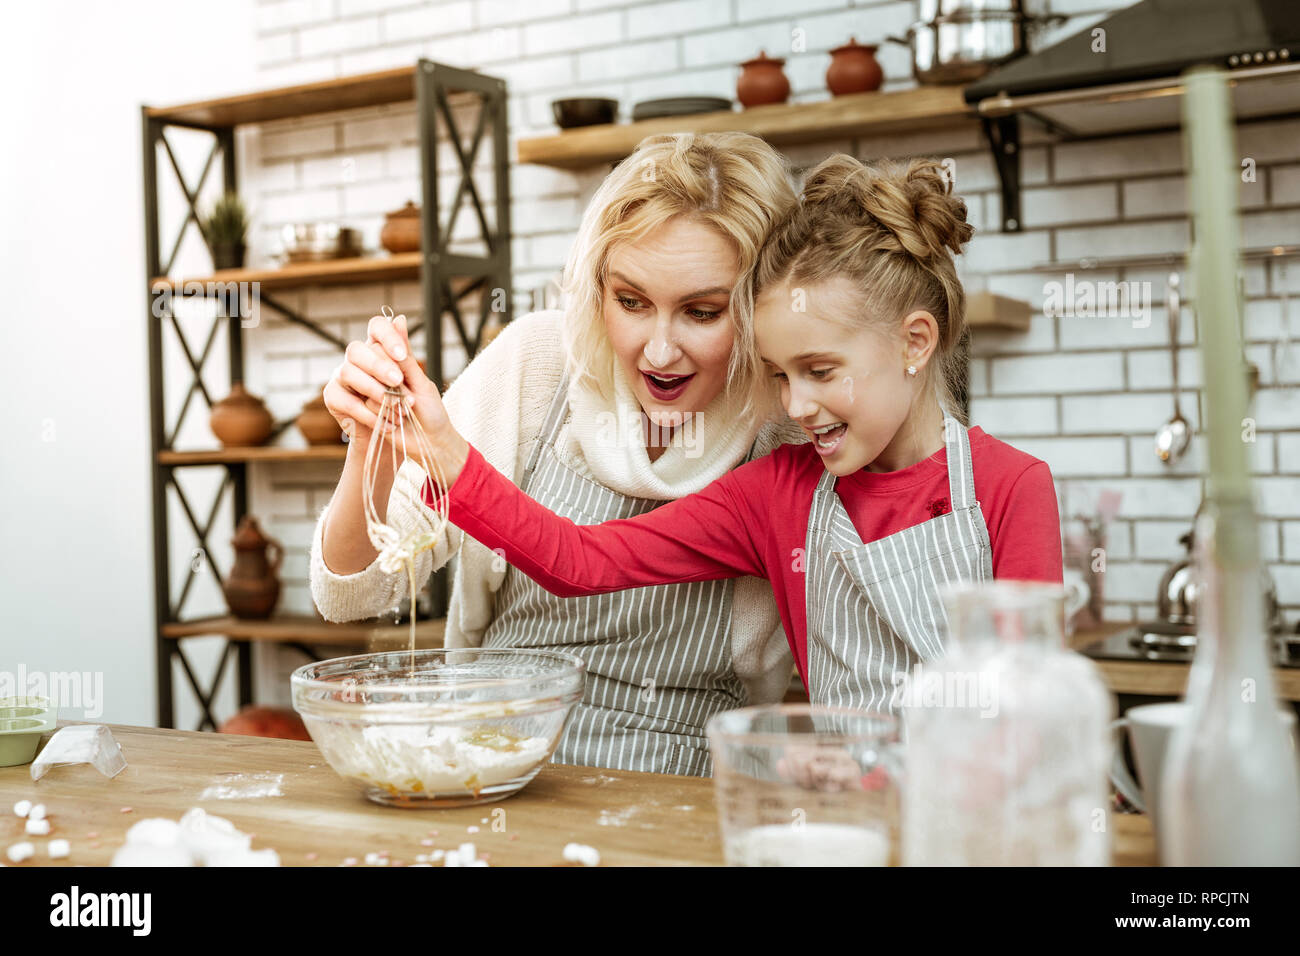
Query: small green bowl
point(23, 720)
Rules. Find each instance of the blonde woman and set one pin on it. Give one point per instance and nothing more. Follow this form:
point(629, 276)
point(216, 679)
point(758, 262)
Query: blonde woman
point(632, 396)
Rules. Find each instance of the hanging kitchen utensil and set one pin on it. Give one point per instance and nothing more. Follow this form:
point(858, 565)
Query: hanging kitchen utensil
point(1174, 435)
point(1283, 362)
point(1252, 370)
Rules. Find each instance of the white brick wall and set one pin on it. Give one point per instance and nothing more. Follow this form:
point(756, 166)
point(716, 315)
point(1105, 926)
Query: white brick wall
point(1084, 393)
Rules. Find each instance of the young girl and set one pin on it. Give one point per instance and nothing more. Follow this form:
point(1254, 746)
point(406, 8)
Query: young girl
point(858, 315)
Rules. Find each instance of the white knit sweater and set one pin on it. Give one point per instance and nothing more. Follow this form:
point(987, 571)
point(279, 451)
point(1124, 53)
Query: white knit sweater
point(498, 404)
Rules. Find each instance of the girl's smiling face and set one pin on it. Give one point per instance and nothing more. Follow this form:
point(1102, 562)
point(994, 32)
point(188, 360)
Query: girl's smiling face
point(667, 312)
point(834, 370)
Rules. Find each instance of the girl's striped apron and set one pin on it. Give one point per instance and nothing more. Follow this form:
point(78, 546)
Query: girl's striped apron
point(874, 610)
point(658, 658)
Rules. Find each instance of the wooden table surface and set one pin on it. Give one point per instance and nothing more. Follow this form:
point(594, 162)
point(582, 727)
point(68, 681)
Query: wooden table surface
point(631, 818)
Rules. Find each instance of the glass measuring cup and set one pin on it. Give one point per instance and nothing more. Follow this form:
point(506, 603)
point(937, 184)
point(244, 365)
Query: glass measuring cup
point(805, 785)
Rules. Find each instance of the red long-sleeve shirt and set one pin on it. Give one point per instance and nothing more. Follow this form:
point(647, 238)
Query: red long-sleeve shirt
point(754, 520)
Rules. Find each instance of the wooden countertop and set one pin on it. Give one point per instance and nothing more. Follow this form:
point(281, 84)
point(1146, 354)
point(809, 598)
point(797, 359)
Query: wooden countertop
point(1160, 678)
point(633, 819)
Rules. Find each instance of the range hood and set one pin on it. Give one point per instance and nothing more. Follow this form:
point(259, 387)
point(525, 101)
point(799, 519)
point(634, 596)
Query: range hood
point(1134, 83)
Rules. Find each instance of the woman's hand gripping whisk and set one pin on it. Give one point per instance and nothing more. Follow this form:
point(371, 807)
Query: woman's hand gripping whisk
point(382, 371)
point(381, 396)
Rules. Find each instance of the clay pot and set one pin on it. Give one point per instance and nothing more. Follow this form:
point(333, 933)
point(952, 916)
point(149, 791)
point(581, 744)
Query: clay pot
point(401, 232)
point(255, 721)
point(253, 586)
point(854, 69)
point(317, 425)
point(241, 419)
point(762, 81)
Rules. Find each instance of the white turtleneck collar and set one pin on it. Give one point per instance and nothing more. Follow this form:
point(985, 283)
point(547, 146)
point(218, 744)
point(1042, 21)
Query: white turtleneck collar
point(611, 441)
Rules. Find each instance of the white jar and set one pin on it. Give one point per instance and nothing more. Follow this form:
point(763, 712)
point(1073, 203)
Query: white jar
point(1006, 738)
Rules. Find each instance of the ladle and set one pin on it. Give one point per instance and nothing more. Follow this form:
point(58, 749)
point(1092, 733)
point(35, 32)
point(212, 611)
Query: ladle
point(1174, 435)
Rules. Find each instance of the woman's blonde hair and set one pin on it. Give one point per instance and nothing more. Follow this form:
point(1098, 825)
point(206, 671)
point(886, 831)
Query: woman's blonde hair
point(889, 228)
point(734, 182)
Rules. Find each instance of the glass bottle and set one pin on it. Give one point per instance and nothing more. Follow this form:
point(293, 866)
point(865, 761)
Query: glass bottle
point(1231, 789)
point(1007, 740)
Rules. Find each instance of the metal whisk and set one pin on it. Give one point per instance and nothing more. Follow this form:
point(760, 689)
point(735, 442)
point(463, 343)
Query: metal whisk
point(394, 549)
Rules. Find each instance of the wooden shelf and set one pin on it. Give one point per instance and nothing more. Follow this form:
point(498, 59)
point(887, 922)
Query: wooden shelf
point(228, 455)
point(309, 629)
point(305, 99)
point(924, 107)
point(405, 265)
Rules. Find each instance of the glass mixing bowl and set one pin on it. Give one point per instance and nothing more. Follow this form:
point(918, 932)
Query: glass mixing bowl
point(439, 728)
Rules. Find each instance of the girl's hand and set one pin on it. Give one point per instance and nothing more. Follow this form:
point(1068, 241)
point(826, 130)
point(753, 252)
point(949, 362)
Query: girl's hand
point(820, 768)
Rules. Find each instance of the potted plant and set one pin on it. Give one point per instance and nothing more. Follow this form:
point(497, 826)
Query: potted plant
point(224, 230)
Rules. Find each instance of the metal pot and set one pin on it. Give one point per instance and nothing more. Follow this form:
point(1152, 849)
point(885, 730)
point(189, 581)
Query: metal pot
point(1179, 589)
point(319, 241)
point(928, 10)
point(956, 41)
point(1180, 592)
point(962, 47)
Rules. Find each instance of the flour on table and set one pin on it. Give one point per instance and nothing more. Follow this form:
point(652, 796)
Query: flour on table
point(619, 818)
point(244, 786)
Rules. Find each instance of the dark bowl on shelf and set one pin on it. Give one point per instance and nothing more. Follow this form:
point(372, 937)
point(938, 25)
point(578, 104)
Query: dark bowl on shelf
point(584, 111)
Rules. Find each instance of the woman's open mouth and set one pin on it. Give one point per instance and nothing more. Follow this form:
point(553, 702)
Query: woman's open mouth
point(666, 388)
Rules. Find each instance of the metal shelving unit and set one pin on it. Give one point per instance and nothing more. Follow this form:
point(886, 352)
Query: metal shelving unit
point(447, 279)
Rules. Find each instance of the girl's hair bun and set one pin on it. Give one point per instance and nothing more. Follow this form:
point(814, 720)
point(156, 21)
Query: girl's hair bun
point(888, 229)
point(913, 203)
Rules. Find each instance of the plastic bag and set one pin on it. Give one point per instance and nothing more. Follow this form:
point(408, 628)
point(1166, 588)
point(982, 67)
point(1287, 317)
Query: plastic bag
point(81, 743)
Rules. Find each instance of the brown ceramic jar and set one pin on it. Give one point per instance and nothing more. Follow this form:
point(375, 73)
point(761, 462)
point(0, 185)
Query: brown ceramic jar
point(854, 69)
point(762, 81)
point(401, 232)
point(253, 586)
point(241, 419)
point(317, 425)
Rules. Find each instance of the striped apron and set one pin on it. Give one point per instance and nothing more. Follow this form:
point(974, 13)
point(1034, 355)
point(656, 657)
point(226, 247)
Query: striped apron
point(874, 610)
point(658, 658)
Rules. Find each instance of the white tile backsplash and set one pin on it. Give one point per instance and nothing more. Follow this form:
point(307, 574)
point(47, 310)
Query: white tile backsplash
point(1085, 392)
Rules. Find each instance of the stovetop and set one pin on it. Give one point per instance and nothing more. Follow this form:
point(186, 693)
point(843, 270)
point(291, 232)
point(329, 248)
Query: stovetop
point(1154, 641)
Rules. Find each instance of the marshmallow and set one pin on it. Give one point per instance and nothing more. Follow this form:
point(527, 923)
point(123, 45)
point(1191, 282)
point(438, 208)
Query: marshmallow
point(155, 831)
point(145, 854)
point(581, 853)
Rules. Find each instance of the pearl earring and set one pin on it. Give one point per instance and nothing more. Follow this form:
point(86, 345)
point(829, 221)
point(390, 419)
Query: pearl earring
point(911, 370)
